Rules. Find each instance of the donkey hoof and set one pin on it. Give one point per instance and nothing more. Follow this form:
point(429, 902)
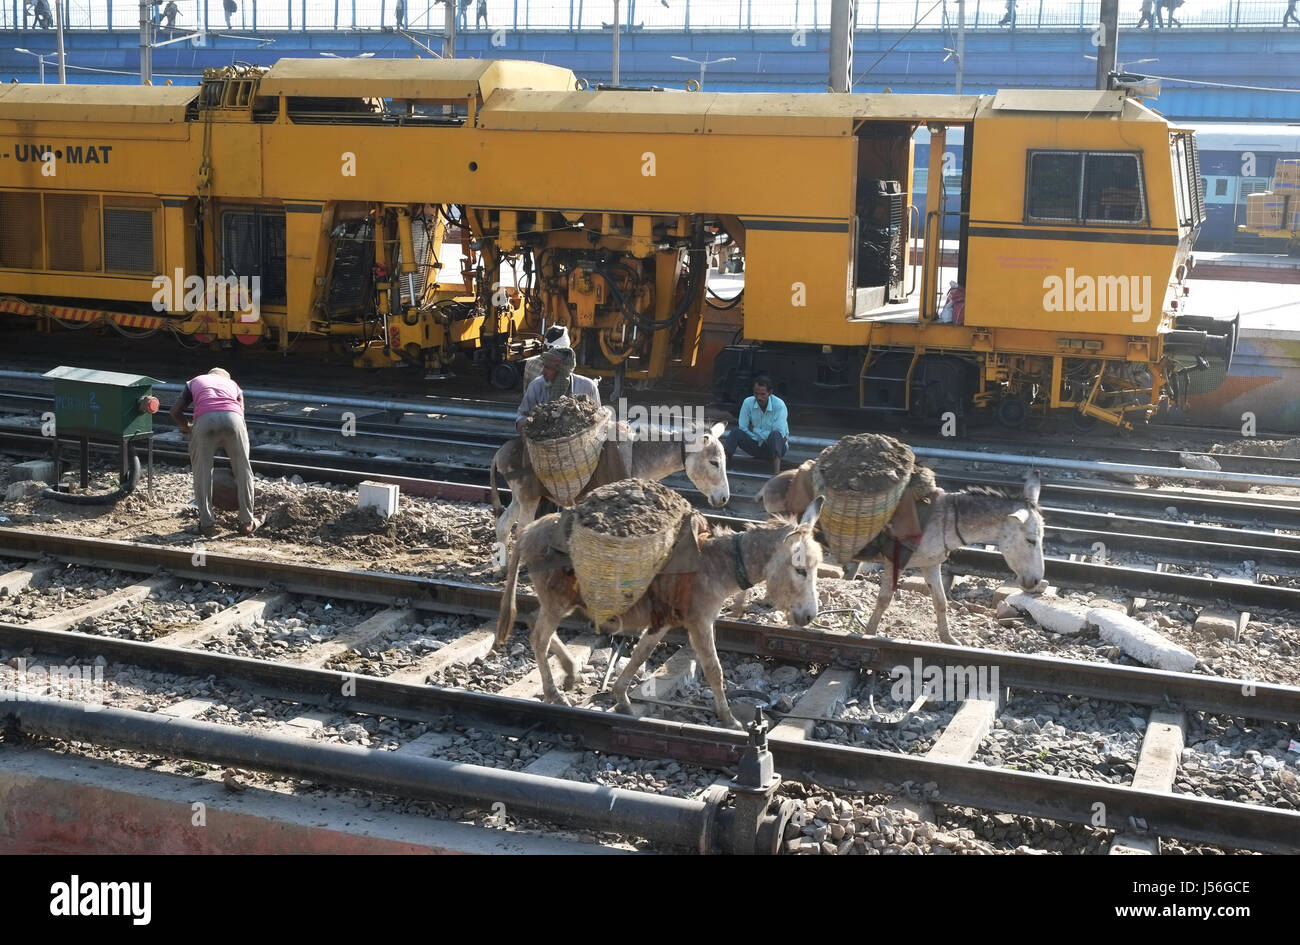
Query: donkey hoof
point(624, 707)
point(559, 698)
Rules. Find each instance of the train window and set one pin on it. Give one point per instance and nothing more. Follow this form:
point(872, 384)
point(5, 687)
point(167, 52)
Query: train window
point(1055, 179)
point(1112, 190)
point(1085, 187)
point(1221, 187)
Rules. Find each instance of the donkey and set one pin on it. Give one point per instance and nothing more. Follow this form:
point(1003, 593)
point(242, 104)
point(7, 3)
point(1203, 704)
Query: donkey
point(704, 460)
point(975, 515)
point(781, 552)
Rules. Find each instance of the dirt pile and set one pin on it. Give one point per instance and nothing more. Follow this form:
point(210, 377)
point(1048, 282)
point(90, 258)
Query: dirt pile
point(630, 508)
point(865, 462)
point(324, 518)
point(1285, 449)
point(560, 418)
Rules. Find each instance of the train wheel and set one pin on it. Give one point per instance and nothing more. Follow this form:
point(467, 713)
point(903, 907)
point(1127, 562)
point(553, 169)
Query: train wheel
point(505, 376)
point(1012, 411)
point(1082, 421)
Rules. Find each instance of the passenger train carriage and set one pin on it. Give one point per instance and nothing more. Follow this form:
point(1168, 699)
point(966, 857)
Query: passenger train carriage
point(322, 199)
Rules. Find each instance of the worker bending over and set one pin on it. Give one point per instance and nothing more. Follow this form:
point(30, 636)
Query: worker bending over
point(218, 424)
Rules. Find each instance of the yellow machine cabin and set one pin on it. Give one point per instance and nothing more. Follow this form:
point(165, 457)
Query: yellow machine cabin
point(417, 212)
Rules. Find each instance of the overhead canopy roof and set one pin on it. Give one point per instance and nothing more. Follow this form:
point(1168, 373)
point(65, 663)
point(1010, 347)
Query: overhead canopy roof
point(430, 80)
point(809, 114)
point(114, 103)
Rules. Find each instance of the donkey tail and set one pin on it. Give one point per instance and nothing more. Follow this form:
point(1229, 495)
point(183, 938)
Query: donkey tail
point(506, 615)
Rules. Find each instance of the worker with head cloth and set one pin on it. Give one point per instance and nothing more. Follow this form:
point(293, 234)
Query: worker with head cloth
point(218, 424)
point(557, 380)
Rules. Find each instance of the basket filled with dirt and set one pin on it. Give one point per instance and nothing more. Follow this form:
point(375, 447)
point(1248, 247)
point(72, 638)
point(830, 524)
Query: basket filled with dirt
point(622, 535)
point(863, 478)
point(564, 438)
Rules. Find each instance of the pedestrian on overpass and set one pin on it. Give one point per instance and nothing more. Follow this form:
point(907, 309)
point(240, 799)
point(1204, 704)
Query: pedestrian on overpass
point(218, 424)
point(1148, 14)
point(1290, 13)
point(1009, 18)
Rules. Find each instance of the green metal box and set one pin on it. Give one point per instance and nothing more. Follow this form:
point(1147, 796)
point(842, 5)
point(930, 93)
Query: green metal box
point(100, 404)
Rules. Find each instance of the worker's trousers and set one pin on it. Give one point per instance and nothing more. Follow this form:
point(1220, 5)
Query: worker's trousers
point(221, 429)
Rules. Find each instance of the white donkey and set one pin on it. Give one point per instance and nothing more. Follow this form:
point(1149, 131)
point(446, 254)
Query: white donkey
point(975, 515)
point(703, 459)
point(782, 553)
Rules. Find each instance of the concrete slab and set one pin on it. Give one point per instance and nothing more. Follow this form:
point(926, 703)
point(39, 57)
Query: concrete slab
point(119, 598)
point(68, 804)
point(1216, 625)
point(39, 470)
point(234, 617)
point(958, 743)
point(188, 708)
point(668, 678)
point(530, 686)
point(1051, 613)
point(1162, 746)
point(1140, 641)
point(472, 646)
point(354, 638)
point(553, 763)
point(15, 581)
point(832, 688)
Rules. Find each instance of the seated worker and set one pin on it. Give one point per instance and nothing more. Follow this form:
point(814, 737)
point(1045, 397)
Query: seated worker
point(762, 431)
point(557, 336)
point(557, 380)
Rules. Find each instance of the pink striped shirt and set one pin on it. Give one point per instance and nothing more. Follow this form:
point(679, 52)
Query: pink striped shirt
point(212, 393)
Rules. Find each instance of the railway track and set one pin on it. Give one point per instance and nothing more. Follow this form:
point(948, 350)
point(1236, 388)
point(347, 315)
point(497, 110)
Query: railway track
point(387, 421)
point(1127, 546)
point(719, 819)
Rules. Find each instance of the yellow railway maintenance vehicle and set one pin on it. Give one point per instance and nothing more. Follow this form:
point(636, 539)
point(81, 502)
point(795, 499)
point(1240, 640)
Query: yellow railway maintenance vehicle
point(321, 198)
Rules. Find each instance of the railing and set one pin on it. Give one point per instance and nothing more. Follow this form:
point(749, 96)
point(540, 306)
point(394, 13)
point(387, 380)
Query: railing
point(426, 16)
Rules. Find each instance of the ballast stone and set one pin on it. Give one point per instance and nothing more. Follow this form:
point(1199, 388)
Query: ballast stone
point(1140, 641)
point(380, 496)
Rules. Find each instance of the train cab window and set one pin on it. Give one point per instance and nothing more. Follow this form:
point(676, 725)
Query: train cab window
point(1084, 187)
point(1221, 187)
point(253, 244)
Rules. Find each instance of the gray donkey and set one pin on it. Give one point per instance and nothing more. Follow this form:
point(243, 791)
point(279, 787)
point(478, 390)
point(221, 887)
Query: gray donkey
point(975, 515)
point(703, 460)
point(780, 552)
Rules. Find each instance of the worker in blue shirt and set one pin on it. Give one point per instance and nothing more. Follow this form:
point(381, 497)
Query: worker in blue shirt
point(763, 429)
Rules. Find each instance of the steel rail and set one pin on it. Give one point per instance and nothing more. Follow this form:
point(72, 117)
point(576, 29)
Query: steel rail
point(969, 785)
point(1068, 523)
point(815, 443)
point(1049, 674)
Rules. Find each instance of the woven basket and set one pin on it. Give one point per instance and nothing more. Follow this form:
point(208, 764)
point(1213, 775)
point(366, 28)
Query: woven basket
point(850, 520)
point(564, 465)
point(613, 573)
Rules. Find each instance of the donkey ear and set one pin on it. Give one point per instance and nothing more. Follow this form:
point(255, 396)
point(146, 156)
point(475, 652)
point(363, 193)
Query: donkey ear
point(1033, 483)
point(1020, 515)
point(811, 513)
point(718, 429)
